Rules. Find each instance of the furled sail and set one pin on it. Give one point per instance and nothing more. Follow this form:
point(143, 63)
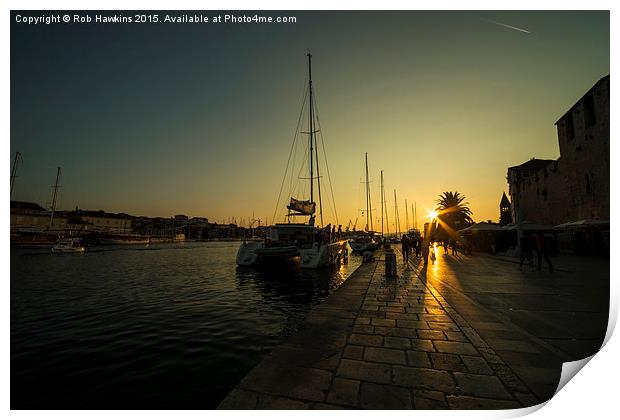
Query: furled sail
point(302, 207)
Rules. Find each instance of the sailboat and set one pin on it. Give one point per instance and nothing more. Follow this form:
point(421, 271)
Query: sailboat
point(312, 246)
point(366, 240)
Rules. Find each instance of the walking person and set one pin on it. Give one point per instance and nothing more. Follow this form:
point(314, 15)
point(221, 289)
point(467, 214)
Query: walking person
point(404, 243)
point(445, 247)
point(425, 250)
point(542, 250)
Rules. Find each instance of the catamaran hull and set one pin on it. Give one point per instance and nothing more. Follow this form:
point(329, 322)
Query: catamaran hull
point(324, 255)
point(246, 256)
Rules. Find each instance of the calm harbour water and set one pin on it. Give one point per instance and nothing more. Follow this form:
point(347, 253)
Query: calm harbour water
point(169, 326)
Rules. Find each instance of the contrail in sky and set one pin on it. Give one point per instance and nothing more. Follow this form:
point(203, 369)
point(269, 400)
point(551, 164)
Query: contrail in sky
point(507, 26)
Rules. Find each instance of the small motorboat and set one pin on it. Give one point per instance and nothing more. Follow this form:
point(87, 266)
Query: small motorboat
point(66, 245)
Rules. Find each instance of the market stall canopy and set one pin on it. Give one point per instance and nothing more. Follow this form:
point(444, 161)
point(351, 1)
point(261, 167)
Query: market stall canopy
point(583, 223)
point(481, 227)
point(528, 225)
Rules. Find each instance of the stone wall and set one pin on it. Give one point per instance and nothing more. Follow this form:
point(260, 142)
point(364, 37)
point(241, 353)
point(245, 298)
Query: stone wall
point(575, 186)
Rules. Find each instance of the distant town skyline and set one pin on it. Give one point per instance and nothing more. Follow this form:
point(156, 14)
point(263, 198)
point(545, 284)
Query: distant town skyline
point(198, 119)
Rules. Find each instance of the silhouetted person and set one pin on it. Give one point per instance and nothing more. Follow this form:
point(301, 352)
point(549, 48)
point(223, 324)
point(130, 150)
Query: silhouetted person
point(425, 252)
point(491, 243)
point(418, 245)
point(445, 247)
point(526, 251)
point(339, 231)
point(542, 250)
point(453, 247)
point(404, 243)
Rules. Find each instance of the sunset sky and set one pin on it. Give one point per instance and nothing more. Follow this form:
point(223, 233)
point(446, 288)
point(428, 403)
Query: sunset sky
point(198, 119)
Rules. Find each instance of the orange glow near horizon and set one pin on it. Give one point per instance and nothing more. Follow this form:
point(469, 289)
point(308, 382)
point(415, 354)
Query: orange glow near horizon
point(214, 136)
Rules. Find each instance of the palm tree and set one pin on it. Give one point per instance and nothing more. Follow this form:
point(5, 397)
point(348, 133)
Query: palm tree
point(453, 211)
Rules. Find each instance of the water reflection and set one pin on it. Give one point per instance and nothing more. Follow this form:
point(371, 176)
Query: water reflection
point(165, 326)
point(292, 283)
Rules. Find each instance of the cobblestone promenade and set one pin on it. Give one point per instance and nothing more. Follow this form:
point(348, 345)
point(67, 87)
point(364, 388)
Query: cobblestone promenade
point(463, 333)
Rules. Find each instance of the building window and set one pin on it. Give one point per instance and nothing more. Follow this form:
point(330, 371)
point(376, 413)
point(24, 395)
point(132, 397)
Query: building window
point(589, 111)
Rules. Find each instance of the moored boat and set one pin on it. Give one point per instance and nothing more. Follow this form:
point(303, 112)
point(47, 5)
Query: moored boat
point(364, 241)
point(310, 245)
point(69, 245)
point(121, 239)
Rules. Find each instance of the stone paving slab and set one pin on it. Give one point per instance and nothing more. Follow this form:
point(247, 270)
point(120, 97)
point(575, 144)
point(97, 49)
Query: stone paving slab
point(533, 343)
point(381, 343)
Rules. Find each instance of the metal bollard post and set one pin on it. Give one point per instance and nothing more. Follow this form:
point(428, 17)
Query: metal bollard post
point(390, 263)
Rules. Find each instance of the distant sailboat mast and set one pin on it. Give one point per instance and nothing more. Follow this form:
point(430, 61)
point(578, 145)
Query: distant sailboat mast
point(369, 226)
point(384, 203)
point(54, 197)
point(382, 195)
point(397, 221)
point(406, 217)
point(18, 158)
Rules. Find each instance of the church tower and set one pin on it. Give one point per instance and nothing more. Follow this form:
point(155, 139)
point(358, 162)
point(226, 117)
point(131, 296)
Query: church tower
point(504, 210)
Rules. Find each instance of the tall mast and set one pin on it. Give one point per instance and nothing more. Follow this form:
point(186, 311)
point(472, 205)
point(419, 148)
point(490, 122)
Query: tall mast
point(387, 219)
point(18, 158)
point(382, 204)
point(54, 196)
point(311, 126)
point(367, 221)
point(368, 200)
point(406, 216)
point(397, 221)
point(416, 214)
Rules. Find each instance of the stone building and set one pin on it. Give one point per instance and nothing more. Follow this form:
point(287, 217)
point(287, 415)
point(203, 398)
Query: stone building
point(575, 186)
point(101, 221)
point(27, 216)
point(32, 217)
point(583, 134)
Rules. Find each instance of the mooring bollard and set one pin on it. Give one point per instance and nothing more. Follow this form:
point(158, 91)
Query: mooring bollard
point(390, 263)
